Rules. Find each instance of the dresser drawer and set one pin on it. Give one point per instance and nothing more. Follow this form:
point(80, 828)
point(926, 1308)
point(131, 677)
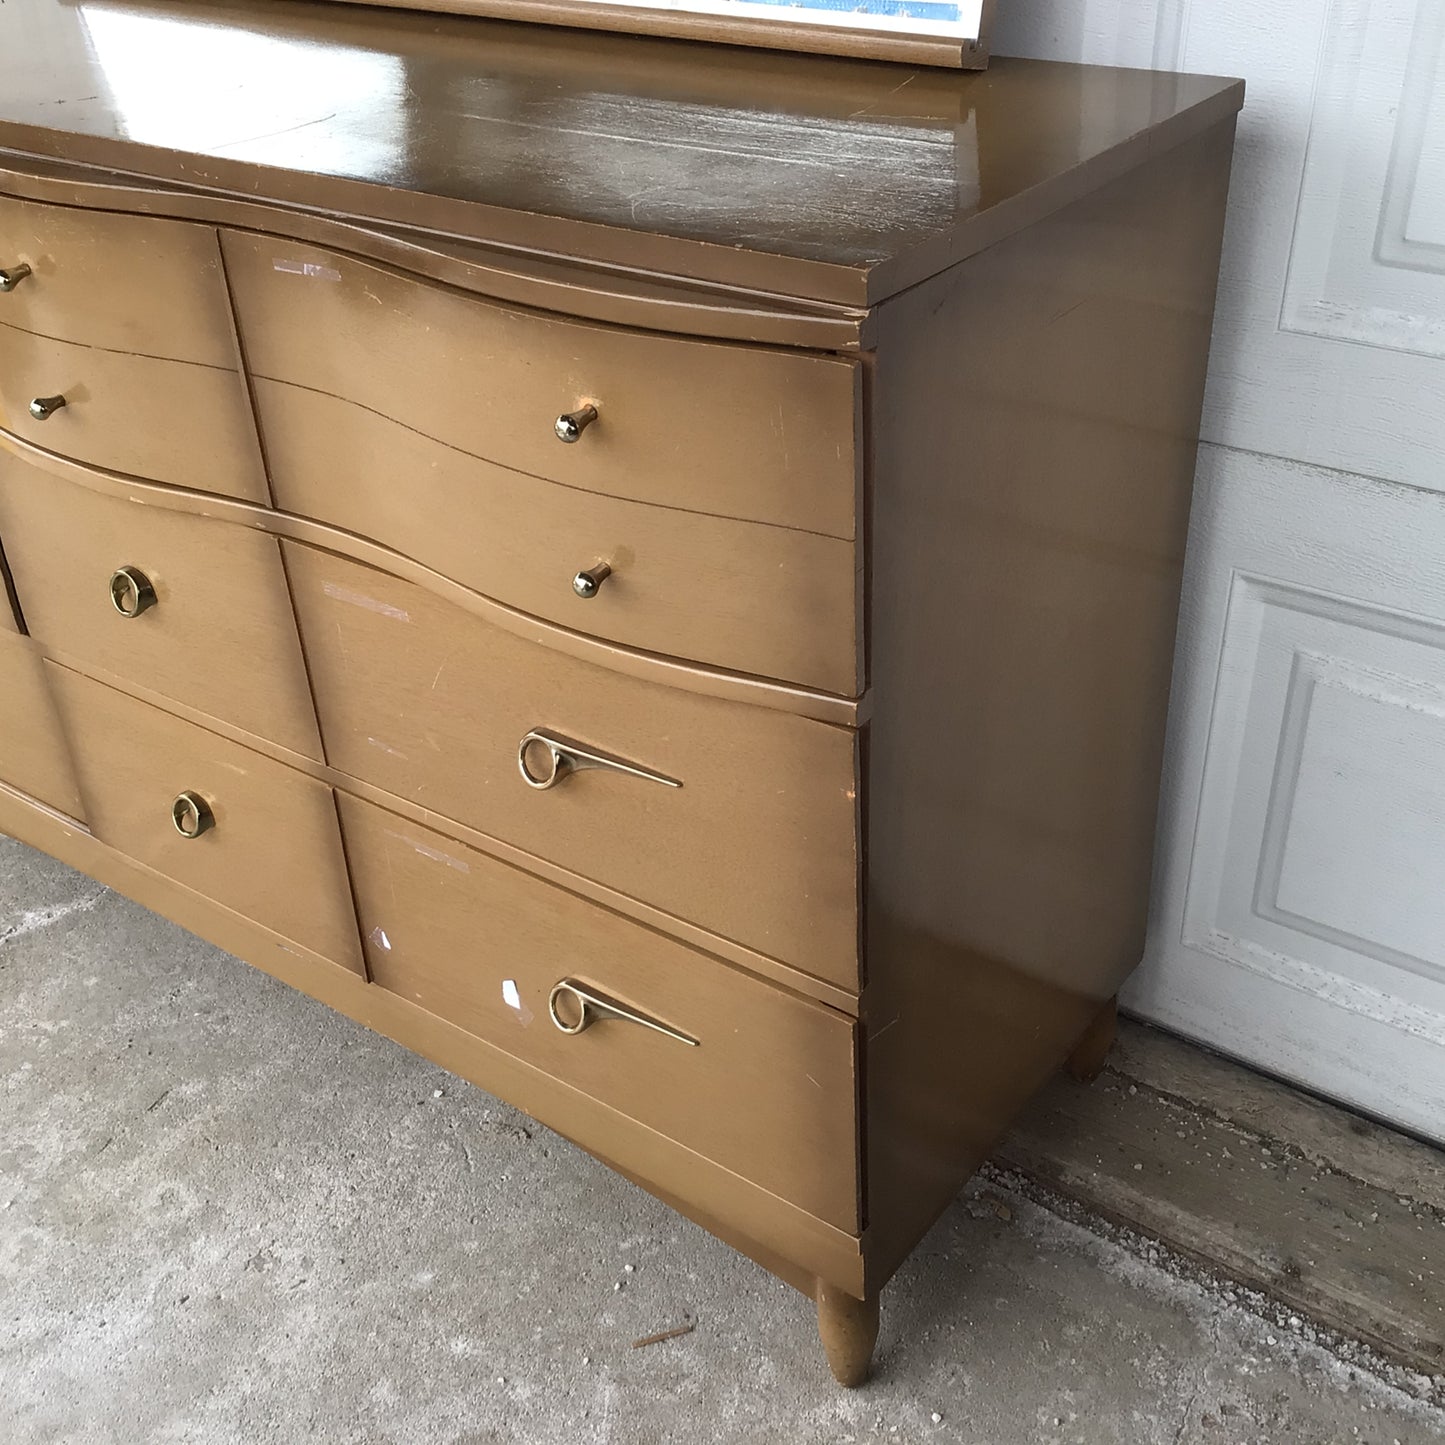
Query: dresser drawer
point(272, 849)
point(755, 598)
point(33, 754)
point(766, 1087)
point(167, 421)
point(131, 284)
point(729, 430)
point(432, 703)
point(215, 630)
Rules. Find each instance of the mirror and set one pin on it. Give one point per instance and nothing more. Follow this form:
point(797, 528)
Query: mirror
point(952, 33)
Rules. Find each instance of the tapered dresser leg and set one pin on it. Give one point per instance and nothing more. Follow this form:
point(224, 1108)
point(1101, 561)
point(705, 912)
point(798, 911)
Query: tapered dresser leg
point(1086, 1063)
point(848, 1328)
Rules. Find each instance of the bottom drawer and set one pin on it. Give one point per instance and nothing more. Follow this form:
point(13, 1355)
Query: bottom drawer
point(238, 827)
point(33, 754)
point(747, 1075)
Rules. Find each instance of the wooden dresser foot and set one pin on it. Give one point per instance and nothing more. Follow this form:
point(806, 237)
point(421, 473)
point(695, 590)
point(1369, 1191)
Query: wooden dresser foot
point(848, 1328)
point(1086, 1063)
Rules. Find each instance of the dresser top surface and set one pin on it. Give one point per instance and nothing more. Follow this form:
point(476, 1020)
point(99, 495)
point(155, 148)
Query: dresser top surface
point(836, 180)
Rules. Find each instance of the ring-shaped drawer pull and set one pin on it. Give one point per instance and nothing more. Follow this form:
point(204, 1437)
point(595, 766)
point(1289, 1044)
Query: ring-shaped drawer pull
point(564, 756)
point(191, 814)
point(12, 276)
point(575, 1006)
point(131, 592)
point(45, 407)
point(571, 424)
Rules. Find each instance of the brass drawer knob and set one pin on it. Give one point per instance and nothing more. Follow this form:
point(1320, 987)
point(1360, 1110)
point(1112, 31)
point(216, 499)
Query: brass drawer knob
point(574, 1005)
point(545, 759)
point(192, 815)
point(12, 276)
point(131, 592)
point(45, 407)
point(571, 424)
point(589, 583)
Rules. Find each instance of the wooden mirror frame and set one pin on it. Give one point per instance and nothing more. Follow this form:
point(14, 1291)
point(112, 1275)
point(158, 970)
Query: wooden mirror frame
point(781, 34)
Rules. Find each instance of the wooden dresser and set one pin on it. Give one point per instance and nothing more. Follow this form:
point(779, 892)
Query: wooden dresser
point(645, 572)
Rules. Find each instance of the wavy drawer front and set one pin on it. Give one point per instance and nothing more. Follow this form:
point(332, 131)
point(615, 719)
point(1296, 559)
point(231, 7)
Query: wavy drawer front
point(181, 604)
point(33, 754)
point(686, 584)
point(130, 284)
point(730, 430)
point(117, 348)
point(767, 1087)
point(166, 421)
point(271, 849)
point(429, 702)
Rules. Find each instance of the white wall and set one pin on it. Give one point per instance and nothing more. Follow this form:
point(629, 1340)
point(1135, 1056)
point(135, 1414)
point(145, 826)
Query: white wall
point(1299, 911)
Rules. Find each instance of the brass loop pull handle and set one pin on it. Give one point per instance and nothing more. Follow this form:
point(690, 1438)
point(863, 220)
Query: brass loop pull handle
point(575, 1006)
point(559, 756)
point(192, 815)
point(571, 424)
point(589, 583)
point(131, 592)
point(12, 276)
point(45, 407)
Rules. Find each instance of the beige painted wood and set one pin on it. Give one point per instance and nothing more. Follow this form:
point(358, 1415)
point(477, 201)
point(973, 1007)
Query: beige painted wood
point(9, 603)
point(33, 754)
point(430, 703)
point(274, 854)
point(652, 301)
point(673, 672)
point(170, 421)
point(686, 584)
point(482, 945)
point(737, 431)
point(220, 637)
point(1015, 752)
point(135, 284)
point(745, 1215)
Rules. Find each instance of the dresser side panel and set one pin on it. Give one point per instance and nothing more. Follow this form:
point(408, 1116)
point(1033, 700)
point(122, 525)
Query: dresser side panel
point(1035, 414)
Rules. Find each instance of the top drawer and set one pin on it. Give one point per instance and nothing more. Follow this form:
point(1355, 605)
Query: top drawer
point(738, 431)
point(122, 283)
point(117, 348)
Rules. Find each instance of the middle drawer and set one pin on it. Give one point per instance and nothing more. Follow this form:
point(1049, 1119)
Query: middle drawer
point(184, 605)
point(738, 818)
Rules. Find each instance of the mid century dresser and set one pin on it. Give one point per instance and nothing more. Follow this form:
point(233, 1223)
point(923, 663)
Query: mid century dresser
point(646, 572)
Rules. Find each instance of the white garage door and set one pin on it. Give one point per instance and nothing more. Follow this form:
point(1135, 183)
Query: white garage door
point(1299, 911)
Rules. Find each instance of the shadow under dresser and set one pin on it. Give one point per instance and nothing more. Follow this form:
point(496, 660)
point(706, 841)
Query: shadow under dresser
point(645, 572)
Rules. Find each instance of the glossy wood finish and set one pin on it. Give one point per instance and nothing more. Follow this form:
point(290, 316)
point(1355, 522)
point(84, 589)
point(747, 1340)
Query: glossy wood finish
point(641, 299)
point(952, 845)
point(170, 421)
point(136, 285)
point(842, 181)
point(767, 1227)
point(682, 424)
point(683, 583)
point(133, 760)
point(1043, 510)
point(220, 636)
point(481, 945)
point(431, 704)
point(34, 757)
